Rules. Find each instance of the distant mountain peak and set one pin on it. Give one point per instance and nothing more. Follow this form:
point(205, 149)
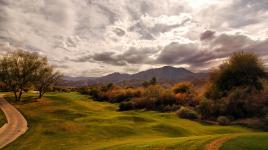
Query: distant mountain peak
point(116, 73)
point(171, 67)
point(165, 74)
point(168, 67)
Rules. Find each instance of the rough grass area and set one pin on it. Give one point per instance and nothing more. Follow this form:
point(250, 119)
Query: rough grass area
point(2, 118)
point(247, 142)
point(73, 121)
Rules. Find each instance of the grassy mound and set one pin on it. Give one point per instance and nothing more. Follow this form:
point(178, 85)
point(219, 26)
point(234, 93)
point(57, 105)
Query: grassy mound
point(72, 121)
point(248, 142)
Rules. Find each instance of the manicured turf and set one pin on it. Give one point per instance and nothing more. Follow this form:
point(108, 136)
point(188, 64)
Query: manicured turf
point(247, 142)
point(73, 121)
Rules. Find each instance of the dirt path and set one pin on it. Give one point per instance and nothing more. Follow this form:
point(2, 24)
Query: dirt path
point(217, 143)
point(16, 124)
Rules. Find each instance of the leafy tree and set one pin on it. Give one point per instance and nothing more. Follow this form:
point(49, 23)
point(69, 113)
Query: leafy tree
point(184, 87)
point(18, 70)
point(243, 69)
point(153, 81)
point(45, 78)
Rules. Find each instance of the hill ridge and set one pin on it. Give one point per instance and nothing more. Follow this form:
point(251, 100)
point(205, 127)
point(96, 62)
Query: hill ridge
point(165, 74)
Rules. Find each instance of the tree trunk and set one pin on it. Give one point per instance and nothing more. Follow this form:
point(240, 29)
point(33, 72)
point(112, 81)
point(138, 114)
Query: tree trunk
point(15, 94)
point(40, 94)
point(19, 97)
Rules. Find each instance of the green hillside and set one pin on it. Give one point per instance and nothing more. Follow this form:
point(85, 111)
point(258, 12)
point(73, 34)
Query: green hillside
point(72, 121)
point(248, 142)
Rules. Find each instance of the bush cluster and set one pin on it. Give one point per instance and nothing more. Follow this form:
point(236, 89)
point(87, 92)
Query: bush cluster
point(222, 120)
point(151, 97)
point(235, 90)
point(187, 113)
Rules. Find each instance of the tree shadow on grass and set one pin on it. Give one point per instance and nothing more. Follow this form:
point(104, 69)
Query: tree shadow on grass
point(24, 99)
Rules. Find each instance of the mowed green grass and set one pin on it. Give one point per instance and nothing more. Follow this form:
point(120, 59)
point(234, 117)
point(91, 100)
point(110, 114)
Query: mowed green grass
point(73, 121)
point(247, 142)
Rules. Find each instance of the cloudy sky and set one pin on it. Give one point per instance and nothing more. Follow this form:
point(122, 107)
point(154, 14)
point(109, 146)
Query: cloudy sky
point(97, 37)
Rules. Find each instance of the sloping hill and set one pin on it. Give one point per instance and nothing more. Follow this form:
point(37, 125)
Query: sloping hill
point(164, 73)
point(113, 78)
point(72, 121)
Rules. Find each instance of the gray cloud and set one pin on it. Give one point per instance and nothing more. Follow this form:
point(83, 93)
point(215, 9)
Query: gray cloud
point(225, 43)
point(220, 47)
point(155, 8)
point(109, 57)
point(237, 13)
point(207, 35)
point(131, 56)
point(185, 54)
point(148, 32)
point(119, 32)
point(251, 10)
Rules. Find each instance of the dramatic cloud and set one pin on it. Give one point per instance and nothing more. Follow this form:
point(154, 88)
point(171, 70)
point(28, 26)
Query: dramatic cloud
point(93, 37)
point(131, 56)
point(219, 48)
point(207, 35)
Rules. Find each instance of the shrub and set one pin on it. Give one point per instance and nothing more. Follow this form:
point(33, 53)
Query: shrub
point(84, 90)
point(155, 98)
point(151, 98)
point(182, 97)
point(166, 98)
point(265, 119)
point(185, 94)
point(97, 94)
point(187, 113)
point(222, 120)
point(184, 87)
point(153, 81)
point(108, 87)
point(241, 70)
point(118, 94)
point(207, 108)
point(211, 91)
point(124, 106)
point(144, 103)
point(115, 95)
point(133, 92)
point(241, 104)
point(154, 91)
point(171, 108)
point(186, 99)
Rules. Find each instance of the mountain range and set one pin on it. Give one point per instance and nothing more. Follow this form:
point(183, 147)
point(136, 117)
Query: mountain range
point(164, 75)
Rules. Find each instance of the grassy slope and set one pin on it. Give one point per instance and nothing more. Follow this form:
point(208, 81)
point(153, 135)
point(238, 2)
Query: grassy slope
point(2, 119)
point(72, 121)
point(247, 142)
